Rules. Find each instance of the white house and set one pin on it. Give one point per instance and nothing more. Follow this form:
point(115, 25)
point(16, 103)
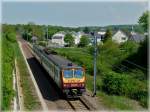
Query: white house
point(58, 38)
point(77, 36)
point(119, 37)
point(100, 36)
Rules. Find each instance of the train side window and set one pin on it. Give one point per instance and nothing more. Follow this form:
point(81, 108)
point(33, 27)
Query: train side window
point(54, 69)
point(56, 72)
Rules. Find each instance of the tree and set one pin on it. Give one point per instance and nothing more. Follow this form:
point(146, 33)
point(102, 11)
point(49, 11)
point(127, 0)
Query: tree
point(51, 32)
point(143, 21)
point(38, 32)
point(84, 41)
point(107, 35)
point(33, 30)
point(86, 30)
point(69, 39)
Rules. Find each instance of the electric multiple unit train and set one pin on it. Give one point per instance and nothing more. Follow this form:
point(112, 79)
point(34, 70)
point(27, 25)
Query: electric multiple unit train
point(69, 77)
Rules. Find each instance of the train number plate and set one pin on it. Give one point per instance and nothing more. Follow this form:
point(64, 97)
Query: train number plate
point(74, 85)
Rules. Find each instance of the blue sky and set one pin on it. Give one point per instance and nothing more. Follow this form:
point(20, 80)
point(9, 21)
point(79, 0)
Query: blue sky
point(73, 13)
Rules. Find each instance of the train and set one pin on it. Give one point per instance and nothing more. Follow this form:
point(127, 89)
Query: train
point(68, 76)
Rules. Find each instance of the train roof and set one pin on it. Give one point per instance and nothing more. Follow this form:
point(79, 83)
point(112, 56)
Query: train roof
point(61, 61)
point(58, 60)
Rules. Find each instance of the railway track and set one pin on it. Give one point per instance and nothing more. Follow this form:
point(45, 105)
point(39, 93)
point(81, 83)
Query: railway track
point(51, 96)
point(78, 104)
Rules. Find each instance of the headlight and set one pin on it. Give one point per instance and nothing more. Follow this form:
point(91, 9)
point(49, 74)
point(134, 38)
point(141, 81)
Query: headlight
point(65, 85)
point(83, 85)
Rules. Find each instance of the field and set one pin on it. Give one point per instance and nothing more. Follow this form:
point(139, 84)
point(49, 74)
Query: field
point(114, 83)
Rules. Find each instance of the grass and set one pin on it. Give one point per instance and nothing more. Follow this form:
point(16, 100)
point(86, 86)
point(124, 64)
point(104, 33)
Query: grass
point(89, 82)
point(119, 102)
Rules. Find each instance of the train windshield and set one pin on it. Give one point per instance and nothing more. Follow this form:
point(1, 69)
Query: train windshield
point(68, 74)
point(78, 73)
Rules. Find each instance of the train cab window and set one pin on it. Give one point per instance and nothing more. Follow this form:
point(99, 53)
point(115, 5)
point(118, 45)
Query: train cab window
point(68, 74)
point(78, 73)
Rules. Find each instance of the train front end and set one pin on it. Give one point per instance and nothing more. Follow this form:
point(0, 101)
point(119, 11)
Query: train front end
point(73, 81)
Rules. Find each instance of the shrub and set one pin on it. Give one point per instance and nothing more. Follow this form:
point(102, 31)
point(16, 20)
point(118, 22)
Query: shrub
point(42, 43)
point(114, 83)
point(125, 85)
point(11, 37)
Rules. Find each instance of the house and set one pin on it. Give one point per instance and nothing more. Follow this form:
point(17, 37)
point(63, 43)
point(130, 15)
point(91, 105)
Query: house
point(100, 36)
point(136, 37)
point(58, 38)
point(119, 37)
point(77, 36)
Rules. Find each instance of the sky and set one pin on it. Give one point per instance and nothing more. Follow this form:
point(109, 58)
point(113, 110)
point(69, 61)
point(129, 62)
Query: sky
point(73, 14)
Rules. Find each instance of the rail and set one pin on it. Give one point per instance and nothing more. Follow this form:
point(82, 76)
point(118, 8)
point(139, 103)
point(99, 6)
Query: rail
point(79, 104)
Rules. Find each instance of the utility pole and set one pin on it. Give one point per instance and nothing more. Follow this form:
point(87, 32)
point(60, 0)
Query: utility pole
point(47, 36)
point(95, 56)
point(27, 35)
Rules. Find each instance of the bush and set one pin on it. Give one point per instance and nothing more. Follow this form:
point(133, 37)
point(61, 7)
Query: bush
point(114, 83)
point(11, 36)
point(125, 85)
point(42, 43)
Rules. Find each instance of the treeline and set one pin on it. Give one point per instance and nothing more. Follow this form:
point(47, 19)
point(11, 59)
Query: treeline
point(40, 31)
